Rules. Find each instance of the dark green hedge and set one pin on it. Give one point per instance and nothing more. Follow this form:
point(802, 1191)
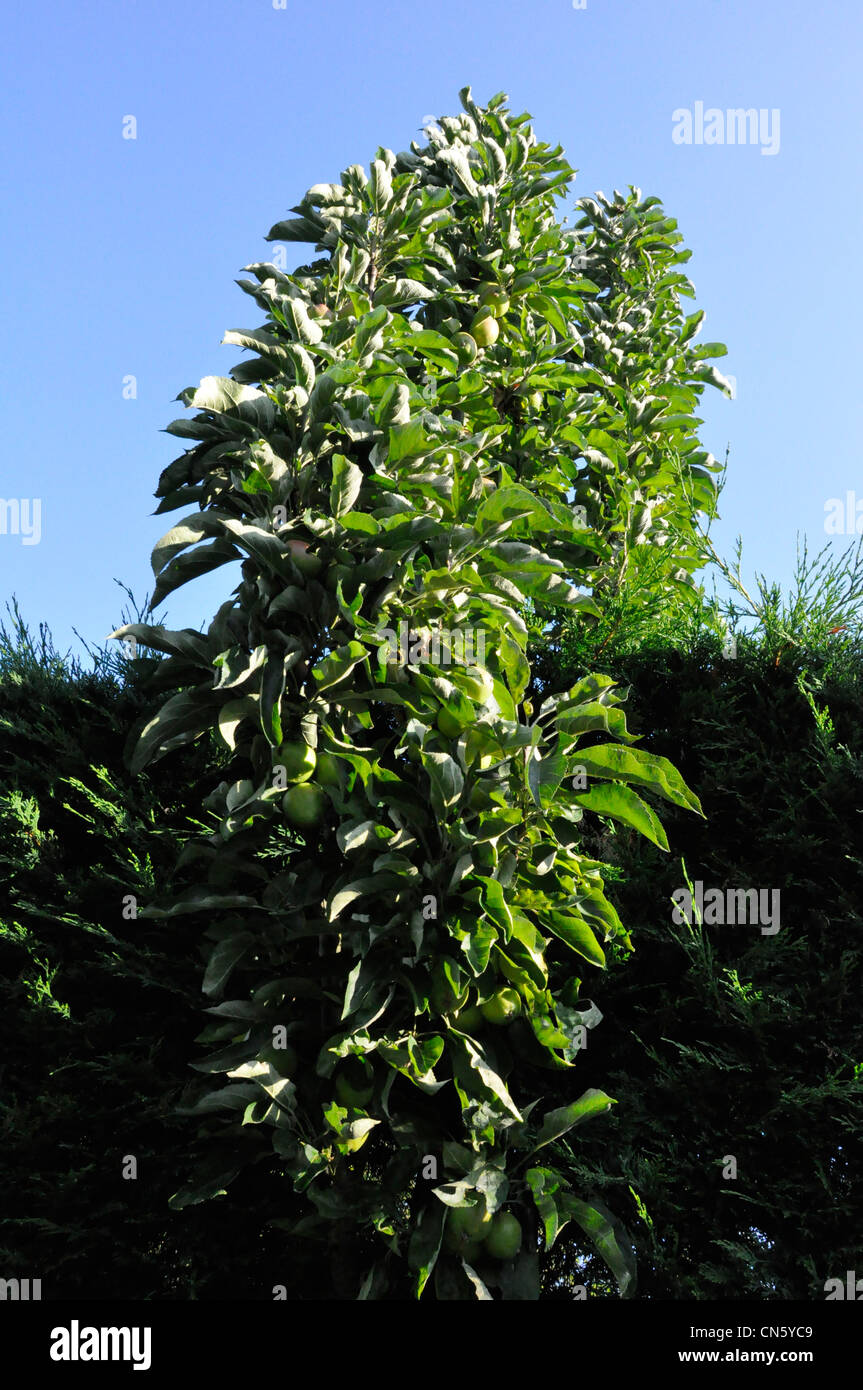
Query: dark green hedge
point(715, 1042)
point(99, 1015)
point(722, 1040)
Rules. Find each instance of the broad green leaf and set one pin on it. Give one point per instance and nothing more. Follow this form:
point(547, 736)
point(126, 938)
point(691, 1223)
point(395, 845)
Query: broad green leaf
point(338, 665)
point(185, 567)
point(408, 441)
point(623, 804)
point(614, 1249)
point(204, 1188)
point(222, 395)
point(425, 1242)
point(190, 712)
point(576, 933)
point(446, 778)
point(475, 1072)
point(544, 1186)
point(193, 645)
point(223, 958)
point(346, 484)
point(645, 769)
point(558, 1122)
point(360, 888)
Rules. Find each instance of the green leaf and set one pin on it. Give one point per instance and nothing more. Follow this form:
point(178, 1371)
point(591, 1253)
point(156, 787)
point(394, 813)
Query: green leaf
point(360, 888)
point(262, 545)
point(346, 484)
point(436, 347)
point(197, 900)
point(576, 933)
point(407, 441)
point(272, 690)
point(400, 292)
point(558, 1122)
point(231, 716)
point(645, 769)
point(544, 1186)
point(339, 664)
point(622, 803)
point(189, 713)
point(614, 1249)
point(185, 567)
point(446, 778)
point(369, 327)
point(185, 533)
point(296, 229)
point(223, 958)
point(425, 1243)
point(475, 1072)
point(513, 504)
point(193, 645)
point(202, 1189)
point(222, 395)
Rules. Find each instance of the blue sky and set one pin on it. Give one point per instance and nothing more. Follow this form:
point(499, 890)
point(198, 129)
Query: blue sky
point(121, 255)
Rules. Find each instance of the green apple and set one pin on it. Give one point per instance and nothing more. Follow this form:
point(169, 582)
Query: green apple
point(503, 1241)
point(502, 1007)
point(469, 1020)
point(484, 328)
point(466, 1228)
point(298, 760)
point(304, 805)
point(476, 1220)
point(355, 1083)
point(465, 348)
point(458, 1241)
point(327, 770)
point(496, 299)
point(306, 561)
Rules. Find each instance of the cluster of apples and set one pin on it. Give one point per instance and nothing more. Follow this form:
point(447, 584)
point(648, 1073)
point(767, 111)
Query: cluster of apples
point(485, 328)
point(472, 1230)
point(500, 1008)
point(305, 801)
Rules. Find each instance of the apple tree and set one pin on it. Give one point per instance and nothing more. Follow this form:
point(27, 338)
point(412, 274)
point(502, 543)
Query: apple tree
point(402, 932)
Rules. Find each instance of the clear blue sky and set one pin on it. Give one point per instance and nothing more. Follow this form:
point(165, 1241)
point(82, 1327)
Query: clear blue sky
point(120, 255)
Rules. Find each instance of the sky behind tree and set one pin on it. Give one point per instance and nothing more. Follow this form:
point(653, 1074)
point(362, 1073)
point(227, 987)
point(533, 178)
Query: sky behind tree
point(121, 253)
